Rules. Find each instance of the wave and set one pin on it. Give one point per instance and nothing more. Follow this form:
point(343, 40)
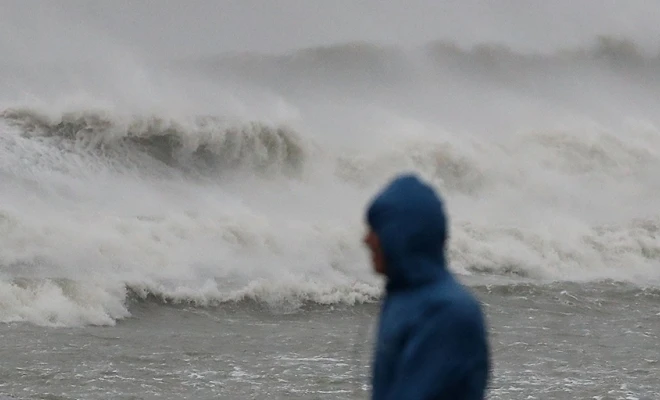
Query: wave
point(546, 163)
point(607, 50)
point(365, 64)
point(107, 237)
point(203, 144)
point(624, 253)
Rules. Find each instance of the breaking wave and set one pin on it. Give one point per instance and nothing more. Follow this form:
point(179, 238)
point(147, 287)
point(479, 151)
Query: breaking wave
point(200, 144)
point(547, 163)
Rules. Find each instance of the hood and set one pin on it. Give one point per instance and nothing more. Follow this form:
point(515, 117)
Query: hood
point(409, 219)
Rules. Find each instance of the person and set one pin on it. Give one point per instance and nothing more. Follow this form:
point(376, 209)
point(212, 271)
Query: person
point(431, 340)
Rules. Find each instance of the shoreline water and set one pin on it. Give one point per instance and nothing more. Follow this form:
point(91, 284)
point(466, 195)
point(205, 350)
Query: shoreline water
point(548, 343)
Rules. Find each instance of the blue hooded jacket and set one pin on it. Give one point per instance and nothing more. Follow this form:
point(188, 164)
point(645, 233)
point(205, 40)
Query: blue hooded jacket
point(432, 341)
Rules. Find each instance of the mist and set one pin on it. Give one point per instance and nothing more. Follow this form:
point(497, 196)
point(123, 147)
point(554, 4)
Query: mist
point(167, 29)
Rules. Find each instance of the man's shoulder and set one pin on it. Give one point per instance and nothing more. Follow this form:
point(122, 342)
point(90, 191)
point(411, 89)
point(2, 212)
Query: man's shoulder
point(454, 301)
point(447, 297)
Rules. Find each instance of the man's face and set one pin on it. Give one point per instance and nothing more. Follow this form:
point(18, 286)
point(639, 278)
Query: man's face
point(377, 257)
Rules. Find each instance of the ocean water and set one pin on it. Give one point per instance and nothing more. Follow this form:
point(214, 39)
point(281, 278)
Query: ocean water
point(191, 228)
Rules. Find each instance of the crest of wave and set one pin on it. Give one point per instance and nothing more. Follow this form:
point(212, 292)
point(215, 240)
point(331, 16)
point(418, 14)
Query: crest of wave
point(200, 144)
point(127, 223)
point(79, 268)
point(574, 203)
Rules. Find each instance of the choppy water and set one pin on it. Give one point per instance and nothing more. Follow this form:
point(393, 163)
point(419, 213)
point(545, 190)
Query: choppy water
point(554, 341)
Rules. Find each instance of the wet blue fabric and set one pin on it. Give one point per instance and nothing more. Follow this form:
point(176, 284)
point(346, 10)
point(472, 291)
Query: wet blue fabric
point(432, 341)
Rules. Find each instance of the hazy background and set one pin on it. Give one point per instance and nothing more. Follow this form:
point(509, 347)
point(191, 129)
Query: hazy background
point(191, 28)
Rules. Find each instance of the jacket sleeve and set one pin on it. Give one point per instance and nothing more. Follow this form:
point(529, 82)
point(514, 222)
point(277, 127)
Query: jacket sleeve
point(441, 350)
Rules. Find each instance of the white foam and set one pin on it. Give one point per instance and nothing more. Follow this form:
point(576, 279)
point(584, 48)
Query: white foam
point(540, 178)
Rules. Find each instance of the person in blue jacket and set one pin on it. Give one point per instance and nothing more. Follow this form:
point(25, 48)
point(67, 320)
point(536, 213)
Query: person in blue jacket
point(432, 341)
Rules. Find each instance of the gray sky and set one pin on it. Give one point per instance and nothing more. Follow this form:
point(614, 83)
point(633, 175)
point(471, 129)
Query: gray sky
point(192, 27)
